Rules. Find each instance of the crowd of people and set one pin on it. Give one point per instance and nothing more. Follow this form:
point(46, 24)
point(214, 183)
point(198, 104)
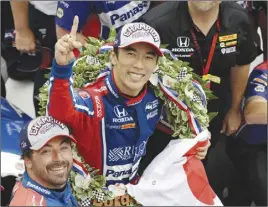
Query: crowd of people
point(219, 39)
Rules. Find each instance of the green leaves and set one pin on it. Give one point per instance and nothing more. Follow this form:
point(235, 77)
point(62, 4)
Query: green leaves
point(83, 187)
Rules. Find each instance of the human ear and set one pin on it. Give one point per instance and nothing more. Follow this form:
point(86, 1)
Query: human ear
point(28, 163)
point(113, 58)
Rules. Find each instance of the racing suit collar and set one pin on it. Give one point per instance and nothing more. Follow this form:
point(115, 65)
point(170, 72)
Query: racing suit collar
point(117, 94)
point(63, 196)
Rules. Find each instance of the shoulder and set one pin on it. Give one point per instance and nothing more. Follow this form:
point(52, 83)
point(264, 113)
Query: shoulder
point(259, 72)
point(26, 197)
point(234, 13)
point(96, 88)
point(162, 12)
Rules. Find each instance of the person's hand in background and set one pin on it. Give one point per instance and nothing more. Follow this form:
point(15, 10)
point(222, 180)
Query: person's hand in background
point(25, 40)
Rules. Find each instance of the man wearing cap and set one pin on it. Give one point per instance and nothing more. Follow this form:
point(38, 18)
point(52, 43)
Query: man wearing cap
point(47, 154)
point(109, 118)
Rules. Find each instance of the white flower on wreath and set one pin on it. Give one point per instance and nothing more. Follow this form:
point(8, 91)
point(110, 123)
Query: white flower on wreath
point(82, 182)
point(117, 189)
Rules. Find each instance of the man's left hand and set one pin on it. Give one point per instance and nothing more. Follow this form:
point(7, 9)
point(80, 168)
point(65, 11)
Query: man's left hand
point(201, 152)
point(231, 122)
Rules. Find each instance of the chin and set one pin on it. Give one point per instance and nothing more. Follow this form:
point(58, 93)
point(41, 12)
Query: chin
point(205, 6)
point(59, 181)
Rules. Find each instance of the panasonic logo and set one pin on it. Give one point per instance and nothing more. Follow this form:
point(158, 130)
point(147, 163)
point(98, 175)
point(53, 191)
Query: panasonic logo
point(117, 174)
point(37, 188)
point(132, 11)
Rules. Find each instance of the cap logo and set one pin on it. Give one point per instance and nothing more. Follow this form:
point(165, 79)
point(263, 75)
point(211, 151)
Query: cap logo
point(137, 30)
point(40, 125)
point(23, 144)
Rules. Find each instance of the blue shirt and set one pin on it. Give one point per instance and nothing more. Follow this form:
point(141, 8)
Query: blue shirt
point(29, 193)
point(112, 14)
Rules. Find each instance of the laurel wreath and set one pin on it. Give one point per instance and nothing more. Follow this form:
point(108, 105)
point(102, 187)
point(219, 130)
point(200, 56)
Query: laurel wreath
point(86, 70)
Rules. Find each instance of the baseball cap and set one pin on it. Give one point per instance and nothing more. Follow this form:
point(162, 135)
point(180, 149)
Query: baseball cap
point(138, 32)
point(41, 130)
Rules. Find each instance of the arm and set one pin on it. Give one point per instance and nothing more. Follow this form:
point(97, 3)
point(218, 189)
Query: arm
point(232, 120)
point(64, 105)
point(247, 53)
point(65, 14)
point(239, 78)
point(256, 111)
point(25, 39)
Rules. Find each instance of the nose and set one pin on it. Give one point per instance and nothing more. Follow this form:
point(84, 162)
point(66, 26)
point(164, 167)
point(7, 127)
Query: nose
point(56, 156)
point(138, 63)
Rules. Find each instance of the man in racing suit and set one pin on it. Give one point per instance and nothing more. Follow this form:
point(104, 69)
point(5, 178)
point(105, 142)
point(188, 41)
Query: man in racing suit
point(113, 117)
point(46, 146)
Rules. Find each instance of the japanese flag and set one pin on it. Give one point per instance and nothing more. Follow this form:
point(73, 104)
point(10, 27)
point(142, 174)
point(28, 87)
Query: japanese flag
point(176, 177)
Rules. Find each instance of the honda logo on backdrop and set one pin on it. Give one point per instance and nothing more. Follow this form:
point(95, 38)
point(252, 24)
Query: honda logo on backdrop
point(120, 111)
point(183, 41)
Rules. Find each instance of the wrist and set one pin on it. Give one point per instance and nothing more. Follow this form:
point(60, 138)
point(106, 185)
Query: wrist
point(235, 109)
point(22, 29)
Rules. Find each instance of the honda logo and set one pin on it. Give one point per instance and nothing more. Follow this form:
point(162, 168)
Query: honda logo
point(183, 41)
point(120, 111)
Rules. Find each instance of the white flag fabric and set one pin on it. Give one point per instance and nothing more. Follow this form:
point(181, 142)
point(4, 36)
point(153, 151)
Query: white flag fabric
point(176, 177)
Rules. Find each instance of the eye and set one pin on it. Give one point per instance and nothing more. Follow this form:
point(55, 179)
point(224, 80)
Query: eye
point(65, 147)
point(131, 53)
point(148, 57)
point(45, 151)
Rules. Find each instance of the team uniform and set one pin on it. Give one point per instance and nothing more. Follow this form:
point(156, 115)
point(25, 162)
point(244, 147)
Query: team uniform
point(112, 14)
point(111, 129)
point(29, 193)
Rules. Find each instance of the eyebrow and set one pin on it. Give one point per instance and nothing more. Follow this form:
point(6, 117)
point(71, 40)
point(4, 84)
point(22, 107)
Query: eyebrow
point(134, 50)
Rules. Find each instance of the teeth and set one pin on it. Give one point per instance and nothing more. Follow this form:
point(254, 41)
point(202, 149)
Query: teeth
point(57, 169)
point(135, 76)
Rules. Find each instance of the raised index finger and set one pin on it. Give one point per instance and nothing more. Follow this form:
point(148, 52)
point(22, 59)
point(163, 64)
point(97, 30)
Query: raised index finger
point(74, 27)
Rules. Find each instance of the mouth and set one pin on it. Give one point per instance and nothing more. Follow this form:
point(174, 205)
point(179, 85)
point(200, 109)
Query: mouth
point(135, 76)
point(58, 170)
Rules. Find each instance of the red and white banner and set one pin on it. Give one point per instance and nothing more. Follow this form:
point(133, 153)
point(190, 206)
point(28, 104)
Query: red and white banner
point(176, 177)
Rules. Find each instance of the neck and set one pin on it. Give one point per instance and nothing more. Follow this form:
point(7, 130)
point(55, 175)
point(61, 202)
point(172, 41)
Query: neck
point(204, 20)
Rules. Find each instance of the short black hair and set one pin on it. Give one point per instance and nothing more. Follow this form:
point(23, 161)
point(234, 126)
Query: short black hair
point(27, 154)
point(116, 51)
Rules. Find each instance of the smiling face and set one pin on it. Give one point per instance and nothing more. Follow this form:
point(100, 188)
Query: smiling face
point(133, 66)
point(50, 166)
